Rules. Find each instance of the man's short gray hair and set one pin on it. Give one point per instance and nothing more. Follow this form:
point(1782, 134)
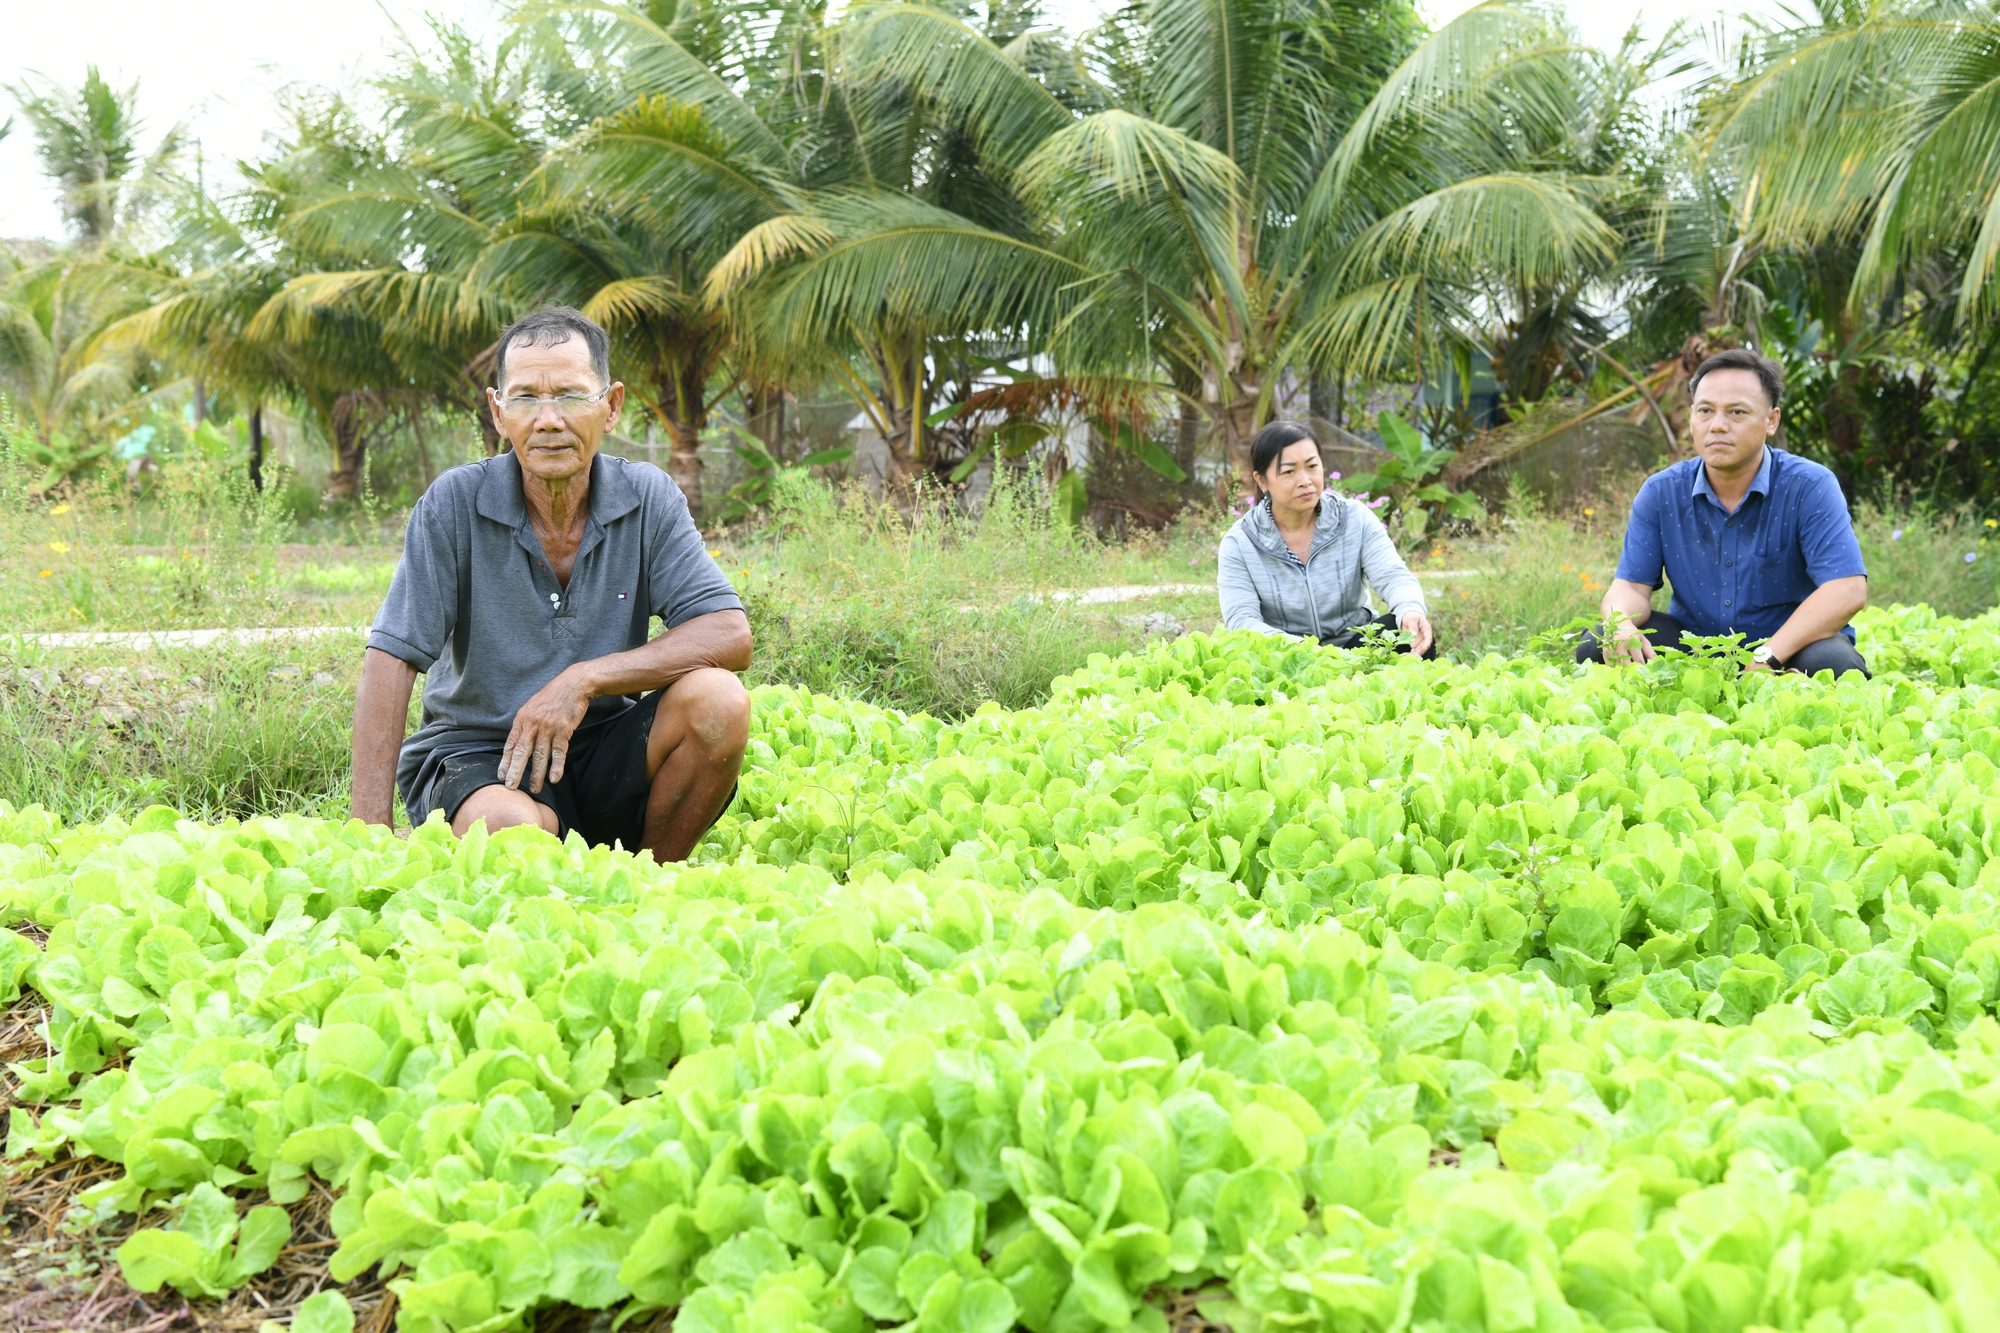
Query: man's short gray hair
point(548, 327)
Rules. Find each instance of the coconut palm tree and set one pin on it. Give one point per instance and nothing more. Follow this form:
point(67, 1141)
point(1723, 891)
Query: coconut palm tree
point(384, 229)
point(1216, 216)
point(626, 218)
point(70, 393)
point(1879, 122)
point(895, 256)
point(88, 141)
point(232, 298)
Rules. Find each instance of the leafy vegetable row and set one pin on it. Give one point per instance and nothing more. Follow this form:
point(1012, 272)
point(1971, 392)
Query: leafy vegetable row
point(539, 1073)
point(1675, 841)
point(1345, 996)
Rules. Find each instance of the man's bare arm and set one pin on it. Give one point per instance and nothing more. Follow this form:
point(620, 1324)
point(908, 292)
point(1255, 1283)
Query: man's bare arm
point(381, 714)
point(718, 639)
point(540, 738)
point(1635, 602)
point(1832, 605)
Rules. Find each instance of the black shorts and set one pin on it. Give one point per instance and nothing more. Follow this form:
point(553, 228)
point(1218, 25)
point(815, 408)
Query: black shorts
point(604, 786)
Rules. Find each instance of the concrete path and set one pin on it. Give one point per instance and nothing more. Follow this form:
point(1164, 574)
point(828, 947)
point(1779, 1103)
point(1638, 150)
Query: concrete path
point(146, 640)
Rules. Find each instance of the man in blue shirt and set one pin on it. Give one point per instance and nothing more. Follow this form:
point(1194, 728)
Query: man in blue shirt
point(1756, 540)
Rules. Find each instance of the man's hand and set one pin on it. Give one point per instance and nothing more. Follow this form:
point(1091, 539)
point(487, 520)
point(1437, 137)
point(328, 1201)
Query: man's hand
point(1419, 627)
point(1630, 644)
point(1629, 606)
point(539, 741)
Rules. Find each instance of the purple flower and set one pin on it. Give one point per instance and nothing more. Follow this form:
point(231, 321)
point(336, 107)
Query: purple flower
point(1971, 556)
point(1333, 476)
point(1896, 536)
point(1378, 503)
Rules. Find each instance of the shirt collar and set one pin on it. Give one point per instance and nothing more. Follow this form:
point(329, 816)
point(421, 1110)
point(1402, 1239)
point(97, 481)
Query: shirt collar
point(500, 497)
point(1759, 485)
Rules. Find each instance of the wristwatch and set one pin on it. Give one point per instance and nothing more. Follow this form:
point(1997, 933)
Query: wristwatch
point(1773, 661)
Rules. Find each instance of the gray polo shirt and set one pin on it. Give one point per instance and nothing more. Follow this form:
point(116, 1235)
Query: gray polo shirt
point(475, 606)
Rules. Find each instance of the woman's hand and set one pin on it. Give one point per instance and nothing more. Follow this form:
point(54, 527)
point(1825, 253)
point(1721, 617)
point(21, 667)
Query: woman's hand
point(1419, 626)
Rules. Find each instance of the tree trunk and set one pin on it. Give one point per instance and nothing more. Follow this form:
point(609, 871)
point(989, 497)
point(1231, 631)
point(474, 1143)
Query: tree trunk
point(344, 423)
point(200, 402)
point(904, 397)
point(1320, 399)
point(764, 414)
point(684, 462)
point(257, 448)
point(903, 444)
point(423, 448)
point(1238, 423)
point(1188, 427)
point(681, 403)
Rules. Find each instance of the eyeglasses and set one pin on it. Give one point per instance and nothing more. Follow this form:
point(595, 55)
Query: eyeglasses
point(569, 404)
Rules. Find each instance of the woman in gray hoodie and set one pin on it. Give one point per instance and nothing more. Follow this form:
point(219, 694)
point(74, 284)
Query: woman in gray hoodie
point(1296, 563)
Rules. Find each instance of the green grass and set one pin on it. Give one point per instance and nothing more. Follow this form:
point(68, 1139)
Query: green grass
point(218, 732)
point(1921, 557)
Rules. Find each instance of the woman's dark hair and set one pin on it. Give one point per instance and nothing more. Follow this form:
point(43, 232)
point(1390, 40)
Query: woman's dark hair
point(1269, 443)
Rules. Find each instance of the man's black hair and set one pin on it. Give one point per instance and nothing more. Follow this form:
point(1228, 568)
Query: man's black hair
point(1267, 444)
point(548, 327)
point(1768, 372)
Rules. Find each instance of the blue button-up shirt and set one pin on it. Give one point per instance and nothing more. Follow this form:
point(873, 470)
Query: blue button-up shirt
point(1748, 571)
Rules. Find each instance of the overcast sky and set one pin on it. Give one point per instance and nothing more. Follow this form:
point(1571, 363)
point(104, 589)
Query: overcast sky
point(216, 64)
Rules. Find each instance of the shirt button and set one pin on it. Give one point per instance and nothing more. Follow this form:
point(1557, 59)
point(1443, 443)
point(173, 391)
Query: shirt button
point(1729, 562)
point(1725, 601)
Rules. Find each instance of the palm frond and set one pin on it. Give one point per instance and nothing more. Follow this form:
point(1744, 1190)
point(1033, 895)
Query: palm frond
point(958, 69)
point(1121, 189)
point(656, 63)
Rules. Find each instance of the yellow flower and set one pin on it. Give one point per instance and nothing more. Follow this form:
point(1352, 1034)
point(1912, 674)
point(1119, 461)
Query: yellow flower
point(60, 548)
point(45, 573)
point(1590, 513)
point(1568, 569)
point(713, 554)
point(744, 573)
point(64, 509)
point(1991, 523)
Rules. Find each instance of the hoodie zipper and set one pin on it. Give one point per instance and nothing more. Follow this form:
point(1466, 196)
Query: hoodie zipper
point(1305, 575)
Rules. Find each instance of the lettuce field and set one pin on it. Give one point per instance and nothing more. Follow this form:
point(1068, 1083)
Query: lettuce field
point(1244, 982)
